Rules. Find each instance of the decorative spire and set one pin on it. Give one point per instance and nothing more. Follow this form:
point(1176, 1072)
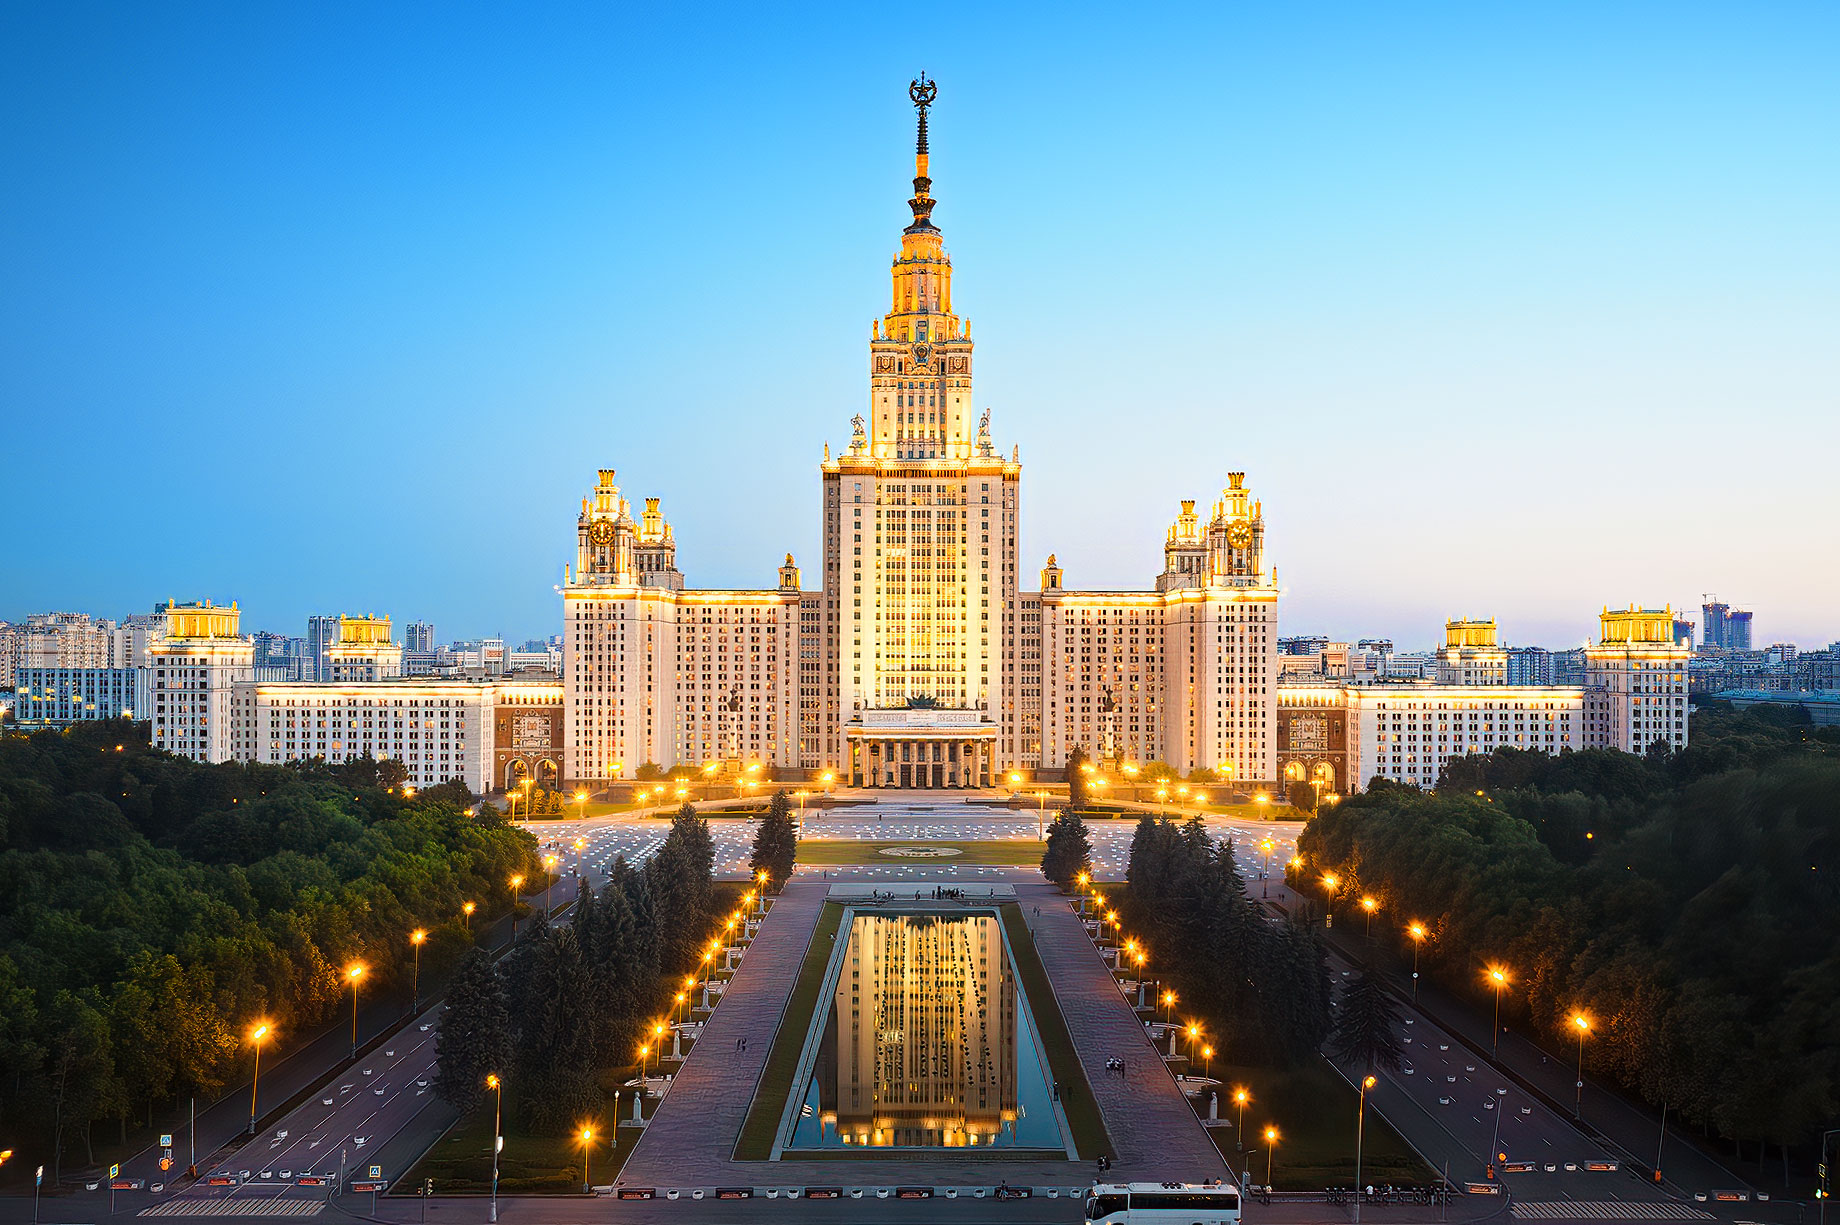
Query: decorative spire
point(923, 92)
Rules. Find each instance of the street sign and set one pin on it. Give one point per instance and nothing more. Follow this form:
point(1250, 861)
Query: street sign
point(165, 1139)
point(38, 1179)
point(376, 1171)
point(370, 1186)
point(115, 1171)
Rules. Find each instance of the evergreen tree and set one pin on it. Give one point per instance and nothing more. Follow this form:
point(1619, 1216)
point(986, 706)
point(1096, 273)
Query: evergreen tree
point(475, 1034)
point(556, 1046)
point(1069, 850)
point(681, 880)
point(1077, 799)
point(1364, 1024)
point(776, 843)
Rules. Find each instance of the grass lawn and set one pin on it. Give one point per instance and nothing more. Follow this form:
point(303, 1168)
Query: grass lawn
point(461, 1161)
point(1314, 1111)
point(833, 852)
point(763, 1117)
point(1082, 1109)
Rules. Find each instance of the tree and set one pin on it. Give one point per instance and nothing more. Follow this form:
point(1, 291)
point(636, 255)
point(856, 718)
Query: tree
point(648, 771)
point(1077, 799)
point(391, 773)
point(1069, 850)
point(557, 1046)
point(475, 1035)
point(776, 843)
point(681, 877)
point(1364, 1025)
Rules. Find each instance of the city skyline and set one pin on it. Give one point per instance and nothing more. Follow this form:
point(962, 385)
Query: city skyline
point(667, 275)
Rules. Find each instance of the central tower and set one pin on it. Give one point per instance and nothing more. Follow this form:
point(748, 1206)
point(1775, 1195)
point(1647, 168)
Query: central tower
point(919, 536)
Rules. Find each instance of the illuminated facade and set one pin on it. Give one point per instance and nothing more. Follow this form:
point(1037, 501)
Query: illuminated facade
point(439, 730)
point(1634, 696)
point(918, 659)
point(363, 651)
point(197, 667)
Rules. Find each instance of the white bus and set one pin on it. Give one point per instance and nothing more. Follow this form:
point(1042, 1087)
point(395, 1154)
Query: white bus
point(1162, 1203)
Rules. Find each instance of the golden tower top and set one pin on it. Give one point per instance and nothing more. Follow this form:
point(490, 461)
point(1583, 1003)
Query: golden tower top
point(923, 92)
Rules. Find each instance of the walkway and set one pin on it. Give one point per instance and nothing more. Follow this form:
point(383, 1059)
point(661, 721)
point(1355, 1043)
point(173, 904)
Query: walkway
point(1157, 1135)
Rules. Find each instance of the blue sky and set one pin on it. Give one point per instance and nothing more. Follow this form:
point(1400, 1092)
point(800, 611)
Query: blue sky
point(1504, 311)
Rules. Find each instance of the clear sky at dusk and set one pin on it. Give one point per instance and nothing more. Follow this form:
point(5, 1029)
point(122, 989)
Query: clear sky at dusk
point(338, 307)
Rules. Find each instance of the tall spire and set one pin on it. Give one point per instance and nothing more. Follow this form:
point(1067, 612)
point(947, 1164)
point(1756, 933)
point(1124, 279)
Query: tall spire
point(923, 92)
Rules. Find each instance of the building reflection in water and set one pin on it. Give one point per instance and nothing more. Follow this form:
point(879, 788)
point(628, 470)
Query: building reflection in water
point(926, 1043)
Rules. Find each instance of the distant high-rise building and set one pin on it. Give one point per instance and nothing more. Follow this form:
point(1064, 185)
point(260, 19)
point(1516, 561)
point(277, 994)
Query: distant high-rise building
point(322, 636)
point(1683, 632)
point(1530, 666)
point(363, 652)
point(1724, 628)
point(1303, 644)
point(59, 697)
point(419, 636)
point(1470, 655)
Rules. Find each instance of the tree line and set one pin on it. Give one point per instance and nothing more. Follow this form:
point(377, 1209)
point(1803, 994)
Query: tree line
point(1687, 903)
point(152, 908)
point(1263, 988)
point(574, 1000)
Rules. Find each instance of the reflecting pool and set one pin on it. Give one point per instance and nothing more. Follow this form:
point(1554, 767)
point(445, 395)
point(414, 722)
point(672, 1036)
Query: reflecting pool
point(925, 1040)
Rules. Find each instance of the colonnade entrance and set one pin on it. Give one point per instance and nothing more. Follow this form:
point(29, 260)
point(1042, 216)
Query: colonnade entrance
point(920, 762)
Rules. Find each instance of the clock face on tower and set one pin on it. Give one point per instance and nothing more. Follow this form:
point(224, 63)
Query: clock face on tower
point(601, 532)
point(1239, 535)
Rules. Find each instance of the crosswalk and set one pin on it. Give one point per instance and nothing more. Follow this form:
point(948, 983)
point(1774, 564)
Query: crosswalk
point(1582, 1210)
point(236, 1207)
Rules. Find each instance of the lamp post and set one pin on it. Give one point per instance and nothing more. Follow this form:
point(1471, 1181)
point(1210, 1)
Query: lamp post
point(1582, 1024)
point(1369, 904)
point(1207, 1062)
point(581, 844)
point(763, 891)
point(517, 882)
point(1360, 1122)
point(255, 1038)
point(498, 1139)
point(587, 1161)
point(1329, 881)
point(1271, 1143)
point(1041, 815)
point(1169, 1007)
point(416, 938)
point(467, 909)
point(354, 974)
point(549, 887)
point(1240, 1097)
point(1498, 978)
point(1416, 930)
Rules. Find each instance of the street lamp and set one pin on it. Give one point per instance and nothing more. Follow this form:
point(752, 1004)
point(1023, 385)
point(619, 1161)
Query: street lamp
point(354, 973)
point(1041, 815)
point(763, 891)
point(587, 1161)
point(1360, 1121)
point(1207, 1062)
point(1329, 881)
point(1240, 1097)
point(1416, 930)
point(1169, 1007)
point(517, 882)
point(581, 844)
point(1271, 1142)
point(416, 938)
point(549, 888)
point(255, 1039)
point(498, 1139)
point(827, 778)
point(1498, 978)
point(467, 909)
point(1369, 905)
point(1583, 1024)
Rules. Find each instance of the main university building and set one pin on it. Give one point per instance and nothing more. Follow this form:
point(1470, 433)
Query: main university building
point(917, 658)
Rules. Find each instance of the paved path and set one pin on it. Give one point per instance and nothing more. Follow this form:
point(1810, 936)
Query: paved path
point(690, 1140)
point(1152, 1126)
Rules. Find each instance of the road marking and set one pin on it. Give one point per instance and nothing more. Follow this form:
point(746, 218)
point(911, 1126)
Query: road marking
point(225, 1208)
point(1579, 1210)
